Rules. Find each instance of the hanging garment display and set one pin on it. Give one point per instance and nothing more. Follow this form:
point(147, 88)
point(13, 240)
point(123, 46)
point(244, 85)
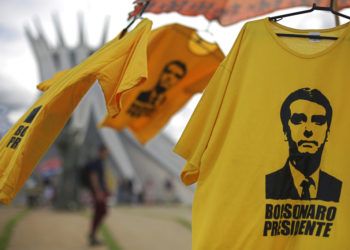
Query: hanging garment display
point(180, 65)
point(268, 143)
point(118, 66)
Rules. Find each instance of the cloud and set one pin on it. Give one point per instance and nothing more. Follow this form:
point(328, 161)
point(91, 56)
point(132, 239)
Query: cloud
point(14, 96)
point(7, 33)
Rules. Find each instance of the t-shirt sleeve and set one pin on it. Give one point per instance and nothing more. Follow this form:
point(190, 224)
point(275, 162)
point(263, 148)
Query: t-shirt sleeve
point(92, 167)
point(45, 85)
point(132, 70)
point(197, 134)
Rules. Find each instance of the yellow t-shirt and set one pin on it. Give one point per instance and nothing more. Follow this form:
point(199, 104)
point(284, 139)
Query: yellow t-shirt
point(268, 144)
point(119, 65)
point(180, 64)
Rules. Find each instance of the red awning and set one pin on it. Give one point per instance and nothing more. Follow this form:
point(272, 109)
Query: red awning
point(228, 12)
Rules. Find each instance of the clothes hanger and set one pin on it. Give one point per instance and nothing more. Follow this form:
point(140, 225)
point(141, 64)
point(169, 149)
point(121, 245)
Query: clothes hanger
point(206, 34)
point(140, 8)
point(314, 7)
point(205, 39)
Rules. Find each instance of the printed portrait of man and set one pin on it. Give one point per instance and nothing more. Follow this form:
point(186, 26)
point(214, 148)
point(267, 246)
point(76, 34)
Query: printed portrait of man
point(306, 116)
point(147, 101)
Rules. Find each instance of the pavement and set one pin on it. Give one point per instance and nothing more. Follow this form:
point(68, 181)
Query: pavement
point(150, 228)
point(134, 228)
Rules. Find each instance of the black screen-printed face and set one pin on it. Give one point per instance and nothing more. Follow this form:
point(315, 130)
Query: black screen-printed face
point(308, 126)
point(306, 116)
point(171, 75)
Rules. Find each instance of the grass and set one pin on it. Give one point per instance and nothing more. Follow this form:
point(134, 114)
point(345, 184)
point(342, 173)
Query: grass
point(7, 231)
point(184, 222)
point(111, 243)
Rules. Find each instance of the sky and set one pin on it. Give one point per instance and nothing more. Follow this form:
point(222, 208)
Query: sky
point(18, 69)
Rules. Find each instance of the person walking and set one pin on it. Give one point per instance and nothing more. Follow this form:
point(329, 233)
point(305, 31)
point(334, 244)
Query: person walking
point(99, 192)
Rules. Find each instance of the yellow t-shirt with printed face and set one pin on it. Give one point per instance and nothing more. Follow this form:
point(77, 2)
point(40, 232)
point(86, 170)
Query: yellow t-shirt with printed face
point(119, 65)
point(268, 144)
point(180, 65)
